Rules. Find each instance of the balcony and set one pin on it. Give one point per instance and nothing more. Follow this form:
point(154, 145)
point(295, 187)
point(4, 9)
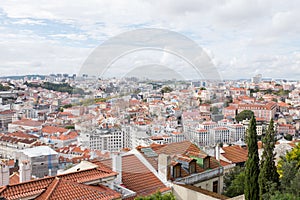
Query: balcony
point(203, 176)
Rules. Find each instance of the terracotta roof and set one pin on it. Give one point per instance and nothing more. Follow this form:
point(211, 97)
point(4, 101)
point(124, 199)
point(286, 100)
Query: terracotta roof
point(136, 176)
point(27, 122)
point(21, 134)
point(36, 187)
point(14, 178)
point(236, 153)
point(53, 129)
point(7, 112)
point(177, 148)
point(61, 189)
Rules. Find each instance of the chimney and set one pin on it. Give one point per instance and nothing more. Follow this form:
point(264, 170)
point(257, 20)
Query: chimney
point(164, 163)
point(4, 174)
point(25, 171)
point(117, 166)
point(217, 152)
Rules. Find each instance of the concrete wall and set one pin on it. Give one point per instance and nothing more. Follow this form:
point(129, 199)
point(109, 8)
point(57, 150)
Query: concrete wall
point(183, 193)
point(208, 185)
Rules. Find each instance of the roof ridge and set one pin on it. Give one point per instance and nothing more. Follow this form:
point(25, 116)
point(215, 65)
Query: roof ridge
point(50, 188)
point(2, 188)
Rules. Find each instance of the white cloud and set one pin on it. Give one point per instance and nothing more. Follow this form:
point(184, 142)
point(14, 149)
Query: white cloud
point(28, 53)
point(238, 33)
point(29, 22)
point(79, 37)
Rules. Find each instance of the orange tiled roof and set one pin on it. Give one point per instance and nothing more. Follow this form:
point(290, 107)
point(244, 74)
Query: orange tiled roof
point(235, 153)
point(14, 178)
point(177, 148)
point(27, 122)
point(36, 187)
point(60, 189)
point(7, 112)
point(136, 176)
point(53, 129)
point(20, 134)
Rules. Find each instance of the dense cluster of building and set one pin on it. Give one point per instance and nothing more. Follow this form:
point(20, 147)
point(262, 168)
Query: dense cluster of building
point(134, 137)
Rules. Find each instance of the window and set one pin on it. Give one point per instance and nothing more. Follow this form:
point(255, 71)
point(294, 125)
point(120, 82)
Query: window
point(192, 167)
point(215, 186)
point(177, 171)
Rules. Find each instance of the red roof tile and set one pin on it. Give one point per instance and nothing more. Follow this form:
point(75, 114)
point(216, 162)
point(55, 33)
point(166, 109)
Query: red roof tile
point(36, 187)
point(136, 176)
point(236, 153)
point(61, 189)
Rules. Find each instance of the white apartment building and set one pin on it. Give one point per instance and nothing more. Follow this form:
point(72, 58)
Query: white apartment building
point(214, 134)
point(208, 125)
point(219, 135)
point(237, 132)
point(112, 139)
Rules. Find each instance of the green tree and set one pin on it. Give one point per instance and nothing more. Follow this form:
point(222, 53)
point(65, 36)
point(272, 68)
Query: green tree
point(245, 114)
point(234, 182)
point(268, 175)
point(215, 110)
point(158, 196)
point(288, 137)
point(166, 89)
point(70, 127)
point(284, 196)
point(295, 185)
point(252, 164)
point(289, 169)
point(293, 155)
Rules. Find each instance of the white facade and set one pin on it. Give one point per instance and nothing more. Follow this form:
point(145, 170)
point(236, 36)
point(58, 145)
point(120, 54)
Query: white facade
point(219, 135)
point(106, 139)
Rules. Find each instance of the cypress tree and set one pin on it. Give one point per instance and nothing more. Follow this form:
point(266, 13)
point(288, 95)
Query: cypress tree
point(252, 164)
point(268, 173)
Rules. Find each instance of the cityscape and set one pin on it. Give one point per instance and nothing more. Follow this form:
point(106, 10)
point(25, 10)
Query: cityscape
point(150, 110)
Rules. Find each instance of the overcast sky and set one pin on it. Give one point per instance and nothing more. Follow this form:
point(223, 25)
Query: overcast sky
point(243, 38)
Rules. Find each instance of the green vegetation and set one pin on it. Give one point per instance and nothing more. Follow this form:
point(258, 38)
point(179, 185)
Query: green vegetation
point(215, 110)
point(4, 88)
point(288, 137)
point(269, 184)
point(70, 127)
point(268, 176)
point(68, 166)
point(290, 157)
point(228, 100)
point(252, 164)
point(158, 196)
point(245, 114)
point(59, 87)
point(280, 92)
point(234, 182)
point(166, 89)
point(289, 170)
point(68, 106)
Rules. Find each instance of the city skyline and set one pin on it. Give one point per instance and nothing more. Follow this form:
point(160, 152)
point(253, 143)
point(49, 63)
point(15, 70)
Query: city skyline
point(241, 39)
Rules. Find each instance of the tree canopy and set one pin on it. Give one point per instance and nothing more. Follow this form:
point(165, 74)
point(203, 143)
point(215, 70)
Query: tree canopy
point(60, 87)
point(234, 182)
point(158, 196)
point(245, 114)
point(4, 88)
point(166, 89)
point(293, 155)
point(268, 176)
point(252, 164)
